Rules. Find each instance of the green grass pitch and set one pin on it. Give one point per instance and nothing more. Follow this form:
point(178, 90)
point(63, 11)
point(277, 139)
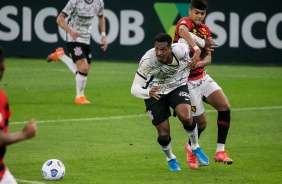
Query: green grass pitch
point(112, 140)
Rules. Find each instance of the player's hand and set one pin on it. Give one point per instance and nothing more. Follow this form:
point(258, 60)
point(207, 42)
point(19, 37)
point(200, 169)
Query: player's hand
point(75, 34)
point(104, 43)
point(154, 92)
point(30, 129)
point(195, 59)
point(210, 43)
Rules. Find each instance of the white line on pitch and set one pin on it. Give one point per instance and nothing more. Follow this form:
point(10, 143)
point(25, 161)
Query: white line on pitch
point(30, 182)
point(135, 116)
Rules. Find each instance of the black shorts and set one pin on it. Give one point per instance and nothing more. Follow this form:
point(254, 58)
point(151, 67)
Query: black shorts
point(79, 51)
point(159, 110)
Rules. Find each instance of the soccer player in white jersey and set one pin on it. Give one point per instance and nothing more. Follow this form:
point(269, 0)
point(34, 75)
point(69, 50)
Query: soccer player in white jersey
point(161, 80)
point(78, 34)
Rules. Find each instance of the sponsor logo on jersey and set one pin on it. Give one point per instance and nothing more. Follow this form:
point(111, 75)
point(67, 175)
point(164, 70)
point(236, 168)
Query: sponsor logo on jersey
point(185, 94)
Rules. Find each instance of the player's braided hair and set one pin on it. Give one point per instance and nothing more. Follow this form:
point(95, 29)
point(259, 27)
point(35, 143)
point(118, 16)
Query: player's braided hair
point(199, 4)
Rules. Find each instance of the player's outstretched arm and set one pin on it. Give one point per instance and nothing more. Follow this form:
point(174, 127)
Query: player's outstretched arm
point(30, 129)
point(28, 132)
point(203, 43)
point(184, 33)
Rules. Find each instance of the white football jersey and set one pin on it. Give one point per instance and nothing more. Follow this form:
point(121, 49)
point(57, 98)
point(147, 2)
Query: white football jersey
point(169, 76)
point(81, 13)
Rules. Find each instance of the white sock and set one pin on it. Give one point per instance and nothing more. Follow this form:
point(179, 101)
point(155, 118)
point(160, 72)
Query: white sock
point(168, 152)
point(189, 147)
point(68, 61)
point(80, 84)
point(193, 136)
point(220, 147)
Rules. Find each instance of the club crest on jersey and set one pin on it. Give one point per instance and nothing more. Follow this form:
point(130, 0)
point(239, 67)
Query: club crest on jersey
point(77, 51)
point(193, 108)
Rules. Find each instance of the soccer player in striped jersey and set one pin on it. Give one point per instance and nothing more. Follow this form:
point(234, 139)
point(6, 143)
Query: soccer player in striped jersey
point(6, 138)
point(78, 35)
point(161, 80)
point(202, 86)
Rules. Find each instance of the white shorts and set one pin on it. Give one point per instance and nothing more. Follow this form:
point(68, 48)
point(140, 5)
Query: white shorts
point(8, 178)
point(199, 88)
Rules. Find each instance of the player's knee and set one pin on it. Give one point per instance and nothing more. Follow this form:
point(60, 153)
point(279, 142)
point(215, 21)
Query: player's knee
point(83, 71)
point(186, 120)
point(164, 136)
point(202, 124)
point(225, 107)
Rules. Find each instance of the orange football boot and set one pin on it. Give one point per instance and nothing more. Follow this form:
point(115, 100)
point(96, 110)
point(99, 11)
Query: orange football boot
point(191, 158)
point(55, 55)
point(81, 100)
point(221, 156)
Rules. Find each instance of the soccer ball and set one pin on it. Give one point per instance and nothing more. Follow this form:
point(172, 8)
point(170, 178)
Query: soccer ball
point(53, 169)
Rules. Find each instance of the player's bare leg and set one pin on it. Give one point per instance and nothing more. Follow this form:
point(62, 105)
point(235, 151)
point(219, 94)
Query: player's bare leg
point(219, 101)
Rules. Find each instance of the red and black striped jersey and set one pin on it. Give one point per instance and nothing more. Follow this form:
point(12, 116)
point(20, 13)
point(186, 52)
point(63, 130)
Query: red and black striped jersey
point(201, 31)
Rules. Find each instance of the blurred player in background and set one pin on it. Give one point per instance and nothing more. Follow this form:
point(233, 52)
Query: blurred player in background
point(202, 86)
point(6, 138)
point(161, 80)
point(78, 35)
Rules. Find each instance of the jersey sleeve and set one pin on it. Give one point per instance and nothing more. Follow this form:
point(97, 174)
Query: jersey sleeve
point(5, 112)
point(187, 22)
point(199, 41)
point(137, 87)
point(183, 21)
point(101, 10)
point(143, 77)
point(183, 50)
point(70, 7)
